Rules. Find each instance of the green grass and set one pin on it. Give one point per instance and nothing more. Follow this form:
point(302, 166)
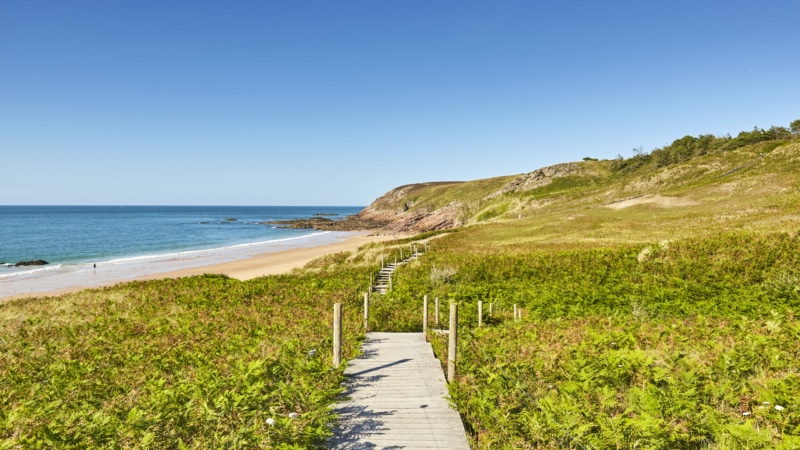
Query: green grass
point(199, 362)
point(678, 346)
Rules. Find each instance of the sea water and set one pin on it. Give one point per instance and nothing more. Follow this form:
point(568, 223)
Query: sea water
point(136, 240)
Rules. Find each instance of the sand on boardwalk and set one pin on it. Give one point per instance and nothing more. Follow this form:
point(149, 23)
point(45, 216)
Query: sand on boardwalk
point(272, 263)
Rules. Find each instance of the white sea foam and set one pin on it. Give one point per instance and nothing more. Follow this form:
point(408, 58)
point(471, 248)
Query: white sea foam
point(63, 276)
point(30, 271)
point(208, 251)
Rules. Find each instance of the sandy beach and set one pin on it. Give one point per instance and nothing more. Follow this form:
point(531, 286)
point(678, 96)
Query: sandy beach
point(272, 262)
point(276, 262)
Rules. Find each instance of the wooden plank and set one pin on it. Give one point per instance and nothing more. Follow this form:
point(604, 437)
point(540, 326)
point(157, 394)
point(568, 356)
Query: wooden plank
point(395, 398)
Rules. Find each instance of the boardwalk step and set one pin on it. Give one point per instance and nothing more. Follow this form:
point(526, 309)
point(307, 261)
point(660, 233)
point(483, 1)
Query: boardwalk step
point(395, 398)
point(381, 284)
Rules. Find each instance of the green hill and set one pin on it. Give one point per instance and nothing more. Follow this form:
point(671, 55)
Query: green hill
point(752, 186)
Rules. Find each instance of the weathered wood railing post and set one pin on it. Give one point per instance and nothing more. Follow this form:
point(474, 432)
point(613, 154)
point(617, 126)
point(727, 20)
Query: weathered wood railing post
point(371, 281)
point(515, 312)
point(452, 351)
point(436, 312)
point(366, 311)
point(491, 308)
point(382, 262)
point(480, 313)
point(337, 334)
point(425, 313)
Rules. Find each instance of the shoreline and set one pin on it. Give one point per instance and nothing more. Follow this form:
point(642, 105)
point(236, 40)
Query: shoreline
point(273, 261)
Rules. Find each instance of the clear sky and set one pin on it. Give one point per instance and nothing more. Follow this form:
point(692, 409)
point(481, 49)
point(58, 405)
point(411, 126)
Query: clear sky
point(336, 102)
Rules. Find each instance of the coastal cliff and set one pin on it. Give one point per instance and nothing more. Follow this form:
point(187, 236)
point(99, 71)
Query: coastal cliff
point(664, 178)
point(425, 207)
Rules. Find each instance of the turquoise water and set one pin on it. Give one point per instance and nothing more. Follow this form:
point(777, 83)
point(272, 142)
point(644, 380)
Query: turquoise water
point(74, 235)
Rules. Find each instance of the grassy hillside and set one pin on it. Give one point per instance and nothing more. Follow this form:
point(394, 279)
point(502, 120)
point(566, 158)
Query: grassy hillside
point(659, 307)
point(659, 298)
point(736, 179)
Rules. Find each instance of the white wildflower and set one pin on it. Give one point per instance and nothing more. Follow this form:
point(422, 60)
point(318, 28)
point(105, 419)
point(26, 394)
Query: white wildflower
point(779, 408)
point(746, 413)
point(270, 421)
point(765, 403)
point(293, 415)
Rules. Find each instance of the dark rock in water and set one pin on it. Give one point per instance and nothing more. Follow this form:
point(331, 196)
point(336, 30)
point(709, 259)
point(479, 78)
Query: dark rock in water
point(230, 219)
point(326, 214)
point(315, 222)
point(204, 223)
point(349, 223)
point(37, 262)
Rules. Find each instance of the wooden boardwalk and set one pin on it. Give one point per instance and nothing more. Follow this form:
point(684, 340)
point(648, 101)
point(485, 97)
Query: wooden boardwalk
point(394, 399)
point(384, 281)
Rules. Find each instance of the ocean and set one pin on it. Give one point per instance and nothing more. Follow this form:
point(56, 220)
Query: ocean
point(73, 239)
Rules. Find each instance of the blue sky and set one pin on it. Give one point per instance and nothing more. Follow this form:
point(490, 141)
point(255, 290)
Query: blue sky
point(336, 102)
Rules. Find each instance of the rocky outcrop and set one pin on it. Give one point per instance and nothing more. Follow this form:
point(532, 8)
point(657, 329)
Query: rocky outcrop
point(315, 222)
point(349, 223)
point(415, 221)
point(414, 208)
point(538, 178)
point(37, 262)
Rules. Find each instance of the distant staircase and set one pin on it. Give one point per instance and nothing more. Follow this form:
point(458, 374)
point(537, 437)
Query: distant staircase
point(384, 281)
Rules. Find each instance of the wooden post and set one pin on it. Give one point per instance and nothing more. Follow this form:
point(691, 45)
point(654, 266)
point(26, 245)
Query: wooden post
point(390, 281)
point(515, 312)
point(381, 262)
point(425, 313)
point(480, 313)
point(436, 313)
point(366, 311)
point(337, 334)
point(491, 307)
point(451, 347)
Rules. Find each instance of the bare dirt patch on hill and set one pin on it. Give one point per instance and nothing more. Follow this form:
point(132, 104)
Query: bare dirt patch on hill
point(655, 200)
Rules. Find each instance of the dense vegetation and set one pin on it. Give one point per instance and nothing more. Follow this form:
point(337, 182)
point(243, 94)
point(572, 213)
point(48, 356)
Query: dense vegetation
point(665, 323)
point(686, 344)
point(688, 147)
point(201, 362)
point(654, 325)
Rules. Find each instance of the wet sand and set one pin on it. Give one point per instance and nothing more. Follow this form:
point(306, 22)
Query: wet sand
point(278, 258)
point(277, 262)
